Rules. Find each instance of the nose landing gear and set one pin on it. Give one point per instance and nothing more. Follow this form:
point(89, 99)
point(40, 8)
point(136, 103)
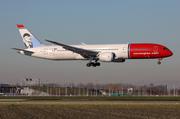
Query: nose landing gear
point(159, 62)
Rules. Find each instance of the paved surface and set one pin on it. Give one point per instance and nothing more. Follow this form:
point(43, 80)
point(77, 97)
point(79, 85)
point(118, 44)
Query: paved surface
point(90, 102)
point(13, 99)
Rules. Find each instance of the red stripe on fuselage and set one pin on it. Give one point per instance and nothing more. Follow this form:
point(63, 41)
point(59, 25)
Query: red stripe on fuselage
point(147, 50)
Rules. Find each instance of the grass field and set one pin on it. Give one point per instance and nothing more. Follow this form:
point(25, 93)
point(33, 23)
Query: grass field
point(171, 98)
point(90, 104)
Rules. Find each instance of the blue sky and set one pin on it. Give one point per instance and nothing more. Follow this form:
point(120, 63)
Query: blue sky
point(91, 22)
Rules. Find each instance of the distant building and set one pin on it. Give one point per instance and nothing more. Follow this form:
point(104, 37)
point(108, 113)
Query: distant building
point(31, 82)
point(7, 89)
point(166, 87)
point(129, 91)
point(161, 87)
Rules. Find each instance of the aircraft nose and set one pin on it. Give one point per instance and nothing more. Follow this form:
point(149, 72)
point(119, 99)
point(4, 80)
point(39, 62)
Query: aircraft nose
point(170, 53)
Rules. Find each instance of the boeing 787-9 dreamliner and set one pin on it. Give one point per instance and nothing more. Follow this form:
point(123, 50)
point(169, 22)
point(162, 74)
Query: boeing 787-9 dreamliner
point(117, 53)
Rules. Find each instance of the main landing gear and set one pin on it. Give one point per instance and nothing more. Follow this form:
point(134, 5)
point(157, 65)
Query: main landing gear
point(159, 62)
point(93, 64)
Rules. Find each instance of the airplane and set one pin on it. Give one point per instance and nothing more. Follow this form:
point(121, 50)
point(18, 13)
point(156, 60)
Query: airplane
point(117, 53)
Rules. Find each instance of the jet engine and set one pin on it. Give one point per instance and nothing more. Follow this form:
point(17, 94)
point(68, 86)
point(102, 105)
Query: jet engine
point(106, 56)
point(119, 60)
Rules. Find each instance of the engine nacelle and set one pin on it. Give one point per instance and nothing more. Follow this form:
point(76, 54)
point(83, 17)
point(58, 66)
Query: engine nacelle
point(119, 60)
point(106, 56)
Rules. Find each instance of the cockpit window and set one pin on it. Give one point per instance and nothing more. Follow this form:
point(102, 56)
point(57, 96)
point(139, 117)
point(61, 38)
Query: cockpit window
point(165, 48)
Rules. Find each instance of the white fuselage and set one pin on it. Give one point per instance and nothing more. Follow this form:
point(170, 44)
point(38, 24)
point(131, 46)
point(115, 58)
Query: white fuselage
point(58, 53)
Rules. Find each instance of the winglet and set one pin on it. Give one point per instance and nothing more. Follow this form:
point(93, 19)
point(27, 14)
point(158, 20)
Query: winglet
point(83, 43)
point(20, 26)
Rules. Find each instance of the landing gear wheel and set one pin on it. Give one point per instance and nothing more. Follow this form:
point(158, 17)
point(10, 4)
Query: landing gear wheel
point(97, 64)
point(93, 64)
point(159, 62)
point(88, 64)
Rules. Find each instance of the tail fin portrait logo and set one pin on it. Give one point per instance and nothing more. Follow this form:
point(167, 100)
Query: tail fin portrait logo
point(27, 40)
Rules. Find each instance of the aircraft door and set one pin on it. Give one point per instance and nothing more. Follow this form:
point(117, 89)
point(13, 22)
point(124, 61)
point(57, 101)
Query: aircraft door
point(124, 49)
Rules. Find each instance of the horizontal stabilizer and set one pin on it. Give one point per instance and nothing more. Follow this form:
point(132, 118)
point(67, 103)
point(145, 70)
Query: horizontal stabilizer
point(22, 50)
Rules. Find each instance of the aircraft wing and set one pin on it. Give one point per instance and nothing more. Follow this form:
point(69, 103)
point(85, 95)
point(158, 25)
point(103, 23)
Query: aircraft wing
point(83, 52)
point(22, 50)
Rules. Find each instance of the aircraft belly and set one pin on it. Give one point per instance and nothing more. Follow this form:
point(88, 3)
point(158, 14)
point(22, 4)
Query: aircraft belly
point(66, 56)
point(39, 55)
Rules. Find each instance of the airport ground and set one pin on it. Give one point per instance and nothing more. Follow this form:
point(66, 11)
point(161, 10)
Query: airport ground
point(94, 98)
point(41, 109)
point(92, 106)
point(90, 109)
point(89, 113)
point(39, 103)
